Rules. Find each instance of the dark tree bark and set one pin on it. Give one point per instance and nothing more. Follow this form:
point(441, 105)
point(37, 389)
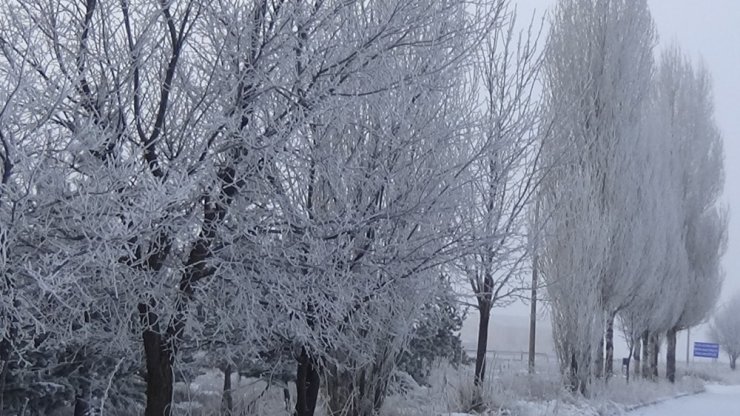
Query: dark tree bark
point(307, 386)
point(160, 347)
point(481, 349)
point(670, 356)
point(159, 378)
point(82, 407)
point(733, 359)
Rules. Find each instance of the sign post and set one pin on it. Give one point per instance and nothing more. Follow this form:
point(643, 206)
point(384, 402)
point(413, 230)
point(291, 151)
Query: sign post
point(688, 345)
point(706, 350)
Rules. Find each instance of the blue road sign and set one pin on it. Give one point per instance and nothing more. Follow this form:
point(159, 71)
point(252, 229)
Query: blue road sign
point(706, 350)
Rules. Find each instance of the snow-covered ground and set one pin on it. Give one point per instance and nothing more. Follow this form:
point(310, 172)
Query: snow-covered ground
point(512, 392)
point(718, 400)
point(508, 391)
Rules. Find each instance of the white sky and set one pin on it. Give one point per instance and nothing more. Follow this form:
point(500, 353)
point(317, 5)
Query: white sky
point(708, 30)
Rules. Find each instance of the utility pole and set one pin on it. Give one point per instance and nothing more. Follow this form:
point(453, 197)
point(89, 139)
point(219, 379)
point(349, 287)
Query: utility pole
point(533, 304)
point(533, 316)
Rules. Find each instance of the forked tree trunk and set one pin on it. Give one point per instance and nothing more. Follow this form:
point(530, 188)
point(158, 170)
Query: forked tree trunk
point(670, 355)
point(733, 359)
point(480, 353)
point(307, 386)
point(609, 360)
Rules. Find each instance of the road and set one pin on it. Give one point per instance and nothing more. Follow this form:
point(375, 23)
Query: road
point(717, 401)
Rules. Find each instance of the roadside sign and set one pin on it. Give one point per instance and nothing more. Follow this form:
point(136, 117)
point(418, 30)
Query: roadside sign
point(706, 350)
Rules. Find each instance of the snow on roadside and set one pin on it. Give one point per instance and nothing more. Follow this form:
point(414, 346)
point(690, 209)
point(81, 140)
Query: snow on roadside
point(553, 407)
point(613, 398)
point(519, 394)
point(510, 392)
point(718, 400)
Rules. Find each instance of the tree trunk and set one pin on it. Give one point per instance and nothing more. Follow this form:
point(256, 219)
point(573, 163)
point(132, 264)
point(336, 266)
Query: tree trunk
point(227, 401)
point(158, 376)
point(599, 364)
point(82, 407)
point(645, 371)
point(3, 374)
point(82, 404)
point(574, 380)
point(670, 355)
point(733, 359)
point(158, 358)
point(609, 360)
point(286, 398)
point(307, 386)
point(629, 359)
point(636, 357)
point(654, 354)
point(480, 353)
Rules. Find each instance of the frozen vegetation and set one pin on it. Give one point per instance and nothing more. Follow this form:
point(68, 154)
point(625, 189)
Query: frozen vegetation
point(266, 207)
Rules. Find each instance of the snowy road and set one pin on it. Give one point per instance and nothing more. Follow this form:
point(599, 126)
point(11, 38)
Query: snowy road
point(717, 401)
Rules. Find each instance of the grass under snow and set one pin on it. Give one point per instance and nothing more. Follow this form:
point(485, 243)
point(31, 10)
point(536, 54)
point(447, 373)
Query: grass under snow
point(509, 390)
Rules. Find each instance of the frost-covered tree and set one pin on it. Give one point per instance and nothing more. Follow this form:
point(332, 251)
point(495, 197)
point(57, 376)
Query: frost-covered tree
point(597, 75)
point(147, 137)
point(505, 175)
point(659, 257)
point(725, 329)
point(48, 350)
point(572, 243)
point(436, 336)
point(260, 174)
point(685, 98)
